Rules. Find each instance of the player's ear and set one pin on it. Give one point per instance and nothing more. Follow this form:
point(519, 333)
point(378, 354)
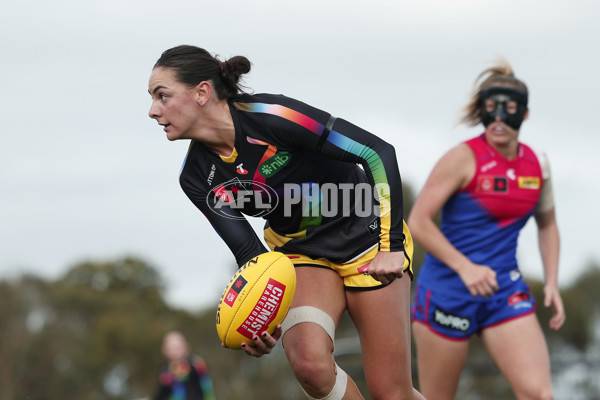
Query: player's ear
point(203, 92)
point(526, 114)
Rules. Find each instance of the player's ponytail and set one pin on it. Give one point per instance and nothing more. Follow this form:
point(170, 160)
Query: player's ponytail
point(231, 71)
point(193, 65)
point(499, 74)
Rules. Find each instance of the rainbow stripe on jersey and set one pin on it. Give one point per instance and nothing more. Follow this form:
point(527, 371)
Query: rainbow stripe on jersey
point(370, 157)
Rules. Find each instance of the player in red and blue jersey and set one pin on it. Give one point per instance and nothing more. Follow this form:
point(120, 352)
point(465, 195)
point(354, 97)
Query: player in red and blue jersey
point(331, 195)
point(486, 189)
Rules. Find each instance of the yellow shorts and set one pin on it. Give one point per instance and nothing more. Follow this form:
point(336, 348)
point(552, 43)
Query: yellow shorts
point(353, 272)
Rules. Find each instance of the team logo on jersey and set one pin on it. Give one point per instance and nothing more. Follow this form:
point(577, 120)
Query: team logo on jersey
point(500, 184)
point(271, 166)
point(529, 182)
point(492, 184)
point(485, 184)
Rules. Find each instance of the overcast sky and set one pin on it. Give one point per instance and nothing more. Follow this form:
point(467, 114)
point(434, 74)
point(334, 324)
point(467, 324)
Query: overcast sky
point(85, 174)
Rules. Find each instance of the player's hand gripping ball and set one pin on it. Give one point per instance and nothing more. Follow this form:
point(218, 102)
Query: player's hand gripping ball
point(256, 299)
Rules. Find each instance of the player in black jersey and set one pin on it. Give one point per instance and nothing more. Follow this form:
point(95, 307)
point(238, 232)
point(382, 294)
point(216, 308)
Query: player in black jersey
point(331, 195)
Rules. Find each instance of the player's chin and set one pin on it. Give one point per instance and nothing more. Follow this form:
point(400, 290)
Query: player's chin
point(172, 136)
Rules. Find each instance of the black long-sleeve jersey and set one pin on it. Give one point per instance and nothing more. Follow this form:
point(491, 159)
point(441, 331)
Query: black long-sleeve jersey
point(330, 187)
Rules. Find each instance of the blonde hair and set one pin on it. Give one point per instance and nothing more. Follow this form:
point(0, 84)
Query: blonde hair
point(499, 74)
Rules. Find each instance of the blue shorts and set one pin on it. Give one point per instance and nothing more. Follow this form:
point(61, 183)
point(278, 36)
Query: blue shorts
point(458, 318)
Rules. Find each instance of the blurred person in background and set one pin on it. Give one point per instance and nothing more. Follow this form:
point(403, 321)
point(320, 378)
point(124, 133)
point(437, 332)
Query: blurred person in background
point(184, 376)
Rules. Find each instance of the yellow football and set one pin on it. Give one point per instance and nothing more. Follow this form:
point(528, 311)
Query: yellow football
point(256, 299)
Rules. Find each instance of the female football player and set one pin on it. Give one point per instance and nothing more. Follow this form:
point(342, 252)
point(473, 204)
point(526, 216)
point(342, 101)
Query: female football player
point(331, 195)
point(486, 189)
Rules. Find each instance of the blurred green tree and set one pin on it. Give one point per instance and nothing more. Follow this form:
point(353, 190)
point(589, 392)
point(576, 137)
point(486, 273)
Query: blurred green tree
point(92, 334)
point(96, 333)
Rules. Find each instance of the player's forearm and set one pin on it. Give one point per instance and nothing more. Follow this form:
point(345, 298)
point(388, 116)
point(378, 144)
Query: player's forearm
point(431, 238)
point(549, 243)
